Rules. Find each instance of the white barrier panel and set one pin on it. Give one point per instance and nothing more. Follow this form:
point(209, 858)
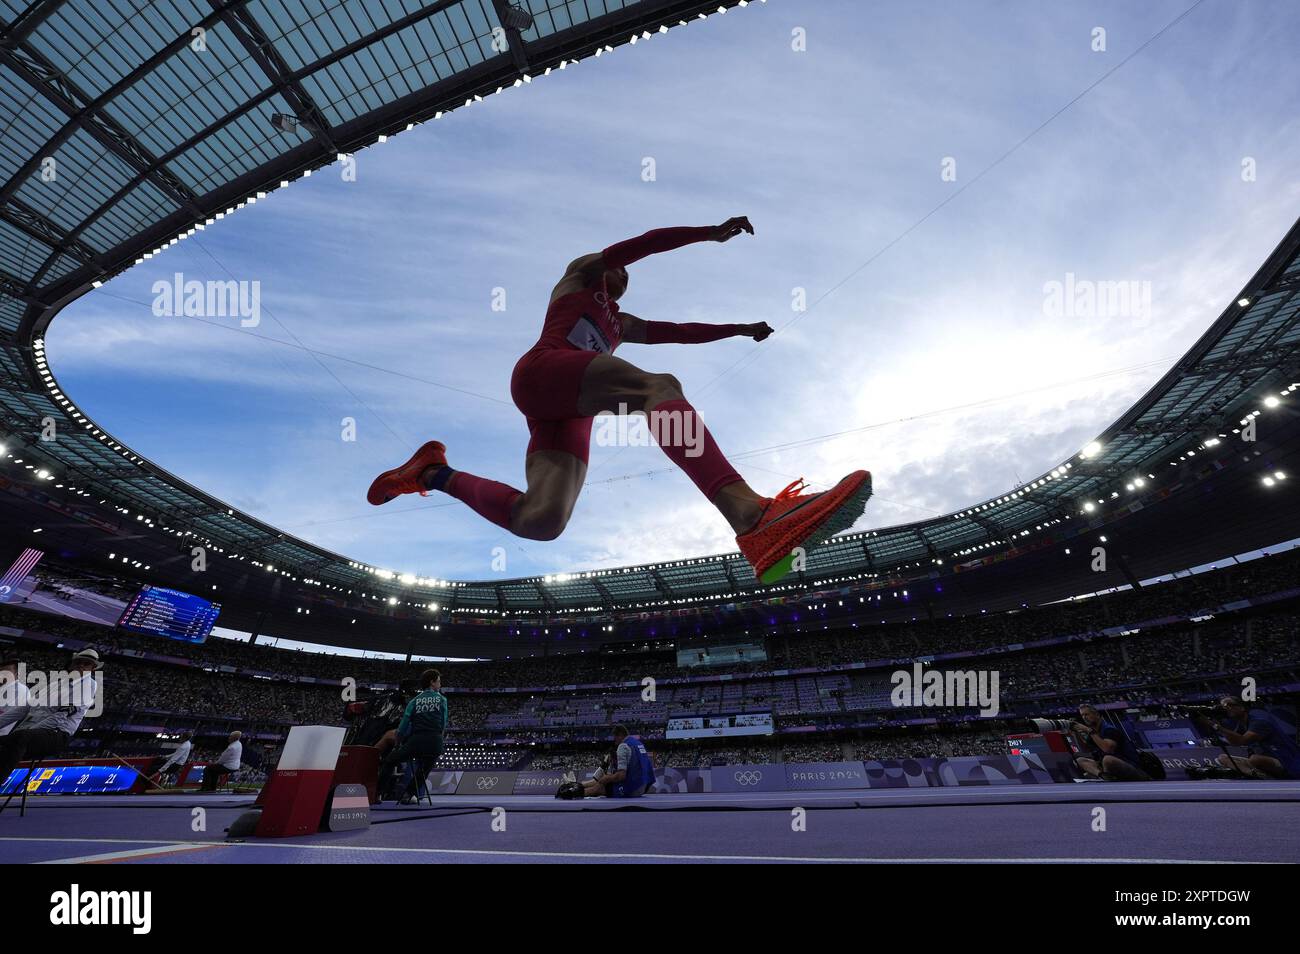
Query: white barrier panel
point(311, 747)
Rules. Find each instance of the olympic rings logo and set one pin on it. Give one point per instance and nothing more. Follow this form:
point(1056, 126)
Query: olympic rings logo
point(748, 778)
point(487, 781)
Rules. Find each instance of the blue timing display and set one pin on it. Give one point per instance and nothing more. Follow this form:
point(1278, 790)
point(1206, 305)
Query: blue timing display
point(162, 612)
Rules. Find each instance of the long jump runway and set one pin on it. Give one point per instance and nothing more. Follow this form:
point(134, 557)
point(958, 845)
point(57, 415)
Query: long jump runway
point(1193, 822)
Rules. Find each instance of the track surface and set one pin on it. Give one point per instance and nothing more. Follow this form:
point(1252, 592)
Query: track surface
point(1213, 821)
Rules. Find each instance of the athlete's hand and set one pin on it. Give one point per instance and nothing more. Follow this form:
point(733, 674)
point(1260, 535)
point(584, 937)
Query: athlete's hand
point(731, 228)
point(758, 331)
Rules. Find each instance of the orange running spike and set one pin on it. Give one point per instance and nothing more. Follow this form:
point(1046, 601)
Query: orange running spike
point(391, 484)
point(793, 522)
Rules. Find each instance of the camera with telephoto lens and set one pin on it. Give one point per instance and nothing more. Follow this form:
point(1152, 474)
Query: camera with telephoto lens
point(1053, 725)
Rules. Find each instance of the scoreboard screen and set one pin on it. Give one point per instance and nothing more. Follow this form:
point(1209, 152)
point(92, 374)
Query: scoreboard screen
point(72, 779)
point(162, 612)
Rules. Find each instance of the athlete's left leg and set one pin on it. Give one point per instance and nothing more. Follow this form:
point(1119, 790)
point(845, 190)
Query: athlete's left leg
point(555, 468)
point(555, 479)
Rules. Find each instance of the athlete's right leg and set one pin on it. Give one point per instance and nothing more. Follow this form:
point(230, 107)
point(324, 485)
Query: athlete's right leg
point(774, 533)
point(612, 385)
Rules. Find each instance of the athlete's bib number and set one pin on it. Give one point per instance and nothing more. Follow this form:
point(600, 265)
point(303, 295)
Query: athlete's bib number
point(587, 336)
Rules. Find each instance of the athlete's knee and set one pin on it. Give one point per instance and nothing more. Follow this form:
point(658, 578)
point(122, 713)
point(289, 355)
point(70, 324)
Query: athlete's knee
point(545, 522)
point(542, 528)
point(660, 388)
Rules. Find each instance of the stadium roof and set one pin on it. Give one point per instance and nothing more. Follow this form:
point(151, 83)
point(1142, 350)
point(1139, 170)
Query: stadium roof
point(127, 126)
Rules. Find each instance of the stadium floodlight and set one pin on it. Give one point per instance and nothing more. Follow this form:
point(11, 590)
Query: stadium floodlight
point(1271, 401)
point(1243, 302)
point(286, 124)
point(1269, 481)
point(1091, 449)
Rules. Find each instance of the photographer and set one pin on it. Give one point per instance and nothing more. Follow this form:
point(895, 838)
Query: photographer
point(419, 735)
point(633, 774)
point(1274, 751)
point(380, 728)
point(1111, 755)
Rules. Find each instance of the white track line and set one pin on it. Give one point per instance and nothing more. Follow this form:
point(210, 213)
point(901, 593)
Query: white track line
point(167, 849)
point(1043, 792)
point(646, 856)
point(910, 796)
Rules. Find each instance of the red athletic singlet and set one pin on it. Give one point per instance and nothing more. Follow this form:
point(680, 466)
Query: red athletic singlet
point(587, 320)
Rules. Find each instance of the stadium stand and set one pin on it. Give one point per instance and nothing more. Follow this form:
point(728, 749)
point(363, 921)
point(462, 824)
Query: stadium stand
point(1186, 639)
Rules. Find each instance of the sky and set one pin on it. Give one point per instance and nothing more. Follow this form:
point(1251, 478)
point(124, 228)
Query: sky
point(925, 180)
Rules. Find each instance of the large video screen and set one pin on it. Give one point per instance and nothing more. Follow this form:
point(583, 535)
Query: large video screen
point(159, 611)
point(729, 654)
point(711, 727)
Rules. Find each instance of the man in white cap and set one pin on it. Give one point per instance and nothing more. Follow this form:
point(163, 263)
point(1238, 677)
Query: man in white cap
point(227, 763)
point(53, 715)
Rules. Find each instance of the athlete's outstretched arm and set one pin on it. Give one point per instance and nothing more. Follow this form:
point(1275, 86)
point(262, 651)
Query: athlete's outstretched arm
point(639, 331)
point(632, 250)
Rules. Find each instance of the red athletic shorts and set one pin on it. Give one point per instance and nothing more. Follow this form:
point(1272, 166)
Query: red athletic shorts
point(545, 386)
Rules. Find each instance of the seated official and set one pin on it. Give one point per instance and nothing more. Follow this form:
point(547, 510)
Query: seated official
point(1274, 752)
point(227, 763)
point(634, 771)
point(52, 717)
point(14, 697)
point(176, 761)
point(419, 735)
point(1112, 756)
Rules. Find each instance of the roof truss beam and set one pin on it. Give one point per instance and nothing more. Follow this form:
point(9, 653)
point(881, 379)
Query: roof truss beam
point(31, 223)
point(256, 101)
point(516, 45)
point(29, 168)
point(263, 52)
point(42, 76)
point(35, 14)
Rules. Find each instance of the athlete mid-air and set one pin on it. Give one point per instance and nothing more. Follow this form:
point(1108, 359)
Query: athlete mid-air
point(571, 375)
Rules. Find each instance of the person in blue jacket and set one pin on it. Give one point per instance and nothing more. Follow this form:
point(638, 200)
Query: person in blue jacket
point(1273, 749)
point(633, 774)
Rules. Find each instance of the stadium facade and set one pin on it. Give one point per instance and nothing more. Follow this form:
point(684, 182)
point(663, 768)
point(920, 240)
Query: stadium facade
point(127, 132)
